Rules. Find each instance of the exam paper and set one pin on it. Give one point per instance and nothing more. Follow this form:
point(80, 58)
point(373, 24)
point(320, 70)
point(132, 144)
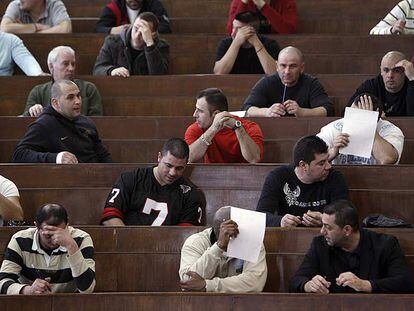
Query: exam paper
point(240, 114)
point(249, 241)
point(361, 126)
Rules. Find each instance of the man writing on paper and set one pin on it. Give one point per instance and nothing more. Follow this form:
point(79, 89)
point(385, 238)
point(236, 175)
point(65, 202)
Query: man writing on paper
point(388, 140)
point(205, 266)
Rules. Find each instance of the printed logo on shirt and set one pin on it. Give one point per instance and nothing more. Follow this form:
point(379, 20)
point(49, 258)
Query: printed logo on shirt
point(63, 138)
point(185, 188)
point(339, 125)
point(291, 196)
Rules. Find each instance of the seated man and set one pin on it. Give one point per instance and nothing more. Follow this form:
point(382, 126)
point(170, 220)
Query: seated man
point(120, 14)
point(14, 51)
point(53, 257)
point(220, 137)
point(205, 266)
point(388, 141)
point(290, 92)
point(36, 16)
point(296, 194)
point(156, 196)
point(61, 134)
point(347, 259)
point(277, 16)
point(399, 21)
point(62, 64)
point(10, 208)
point(245, 51)
point(394, 86)
point(136, 51)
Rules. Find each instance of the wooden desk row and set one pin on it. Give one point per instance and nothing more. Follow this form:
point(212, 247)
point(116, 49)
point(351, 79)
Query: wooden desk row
point(83, 188)
point(148, 258)
point(195, 54)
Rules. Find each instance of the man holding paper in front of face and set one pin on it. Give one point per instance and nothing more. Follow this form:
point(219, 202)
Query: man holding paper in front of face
point(387, 143)
point(213, 261)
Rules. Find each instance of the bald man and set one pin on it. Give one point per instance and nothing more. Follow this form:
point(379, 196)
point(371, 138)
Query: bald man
point(205, 266)
point(290, 92)
point(394, 86)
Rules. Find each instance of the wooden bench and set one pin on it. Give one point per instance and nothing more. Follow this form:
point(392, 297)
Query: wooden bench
point(83, 189)
point(126, 258)
point(320, 60)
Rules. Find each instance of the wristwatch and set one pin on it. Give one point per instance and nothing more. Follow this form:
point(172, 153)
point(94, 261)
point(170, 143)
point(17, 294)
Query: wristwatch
point(236, 125)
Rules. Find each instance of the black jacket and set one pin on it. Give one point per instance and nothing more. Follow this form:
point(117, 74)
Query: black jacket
point(117, 52)
point(52, 133)
point(380, 260)
point(115, 14)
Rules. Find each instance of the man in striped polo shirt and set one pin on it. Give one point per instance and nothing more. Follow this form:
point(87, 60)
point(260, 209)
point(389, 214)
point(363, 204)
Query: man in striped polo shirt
point(53, 257)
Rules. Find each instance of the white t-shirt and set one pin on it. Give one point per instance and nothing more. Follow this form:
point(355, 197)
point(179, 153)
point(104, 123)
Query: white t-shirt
point(385, 129)
point(8, 188)
point(132, 14)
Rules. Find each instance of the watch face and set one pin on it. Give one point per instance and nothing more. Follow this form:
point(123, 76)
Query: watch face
point(237, 124)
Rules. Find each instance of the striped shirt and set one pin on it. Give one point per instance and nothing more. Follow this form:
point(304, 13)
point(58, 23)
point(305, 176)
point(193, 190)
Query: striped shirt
point(403, 10)
point(25, 261)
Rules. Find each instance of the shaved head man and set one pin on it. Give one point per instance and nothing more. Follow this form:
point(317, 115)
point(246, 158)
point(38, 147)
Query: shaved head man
point(290, 92)
point(394, 85)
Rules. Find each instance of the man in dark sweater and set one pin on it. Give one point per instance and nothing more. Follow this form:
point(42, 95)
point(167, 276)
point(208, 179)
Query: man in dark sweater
point(118, 15)
point(246, 52)
point(347, 259)
point(295, 195)
point(136, 51)
point(394, 86)
point(290, 92)
point(61, 134)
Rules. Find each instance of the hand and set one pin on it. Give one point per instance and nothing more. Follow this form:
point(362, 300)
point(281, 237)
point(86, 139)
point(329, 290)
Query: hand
point(254, 40)
point(41, 27)
point(120, 72)
point(259, 3)
point(39, 286)
point(290, 221)
point(398, 27)
point(292, 107)
point(243, 34)
point(408, 68)
point(146, 33)
point(276, 110)
point(228, 229)
point(35, 110)
point(365, 103)
point(341, 141)
point(60, 236)
point(117, 30)
point(312, 219)
point(220, 120)
point(196, 283)
point(351, 280)
point(68, 158)
point(318, 284)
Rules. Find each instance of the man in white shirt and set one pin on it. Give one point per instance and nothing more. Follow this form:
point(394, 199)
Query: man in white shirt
point(388, 141)
point(10, 208)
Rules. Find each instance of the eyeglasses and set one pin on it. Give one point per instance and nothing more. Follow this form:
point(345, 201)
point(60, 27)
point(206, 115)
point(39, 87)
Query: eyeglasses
point(398, 70)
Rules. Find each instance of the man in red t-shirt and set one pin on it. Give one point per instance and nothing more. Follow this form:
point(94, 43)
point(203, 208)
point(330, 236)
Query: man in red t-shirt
point(219, 136)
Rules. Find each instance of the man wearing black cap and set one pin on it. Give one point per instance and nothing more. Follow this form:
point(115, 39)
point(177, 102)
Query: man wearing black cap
point(246, 52)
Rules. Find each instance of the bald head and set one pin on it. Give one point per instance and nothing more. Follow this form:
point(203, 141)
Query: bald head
point(393, 75)
point(220, 216)
point(290, 65)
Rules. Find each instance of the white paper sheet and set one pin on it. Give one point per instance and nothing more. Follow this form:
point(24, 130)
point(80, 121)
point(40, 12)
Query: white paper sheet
point(249, 241)
point(361, 126)
point(240, 114)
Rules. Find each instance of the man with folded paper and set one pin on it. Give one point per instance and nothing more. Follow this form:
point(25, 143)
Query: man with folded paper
point(362, 137)
point(230, 257)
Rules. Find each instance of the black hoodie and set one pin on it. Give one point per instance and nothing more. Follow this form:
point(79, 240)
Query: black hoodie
point(52, 133)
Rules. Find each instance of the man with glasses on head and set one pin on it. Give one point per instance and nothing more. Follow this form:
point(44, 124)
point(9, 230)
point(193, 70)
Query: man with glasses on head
point(394, 86)
point(50, 258)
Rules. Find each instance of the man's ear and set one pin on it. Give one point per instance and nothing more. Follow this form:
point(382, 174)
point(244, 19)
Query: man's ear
point(215, 112)
point(302, 67)
point(303, 165)
point(347, 230)
point(159, 156)
point(50, 66)
point(55, 103)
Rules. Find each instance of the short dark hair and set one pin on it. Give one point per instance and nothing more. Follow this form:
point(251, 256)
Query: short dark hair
point(56, 90)
point(215, 99)
point(177, 147)
point(345, 213)
point(150, 18)
point(376, 102)
point(246, 17)
point(306, 148)
point(51, 213)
